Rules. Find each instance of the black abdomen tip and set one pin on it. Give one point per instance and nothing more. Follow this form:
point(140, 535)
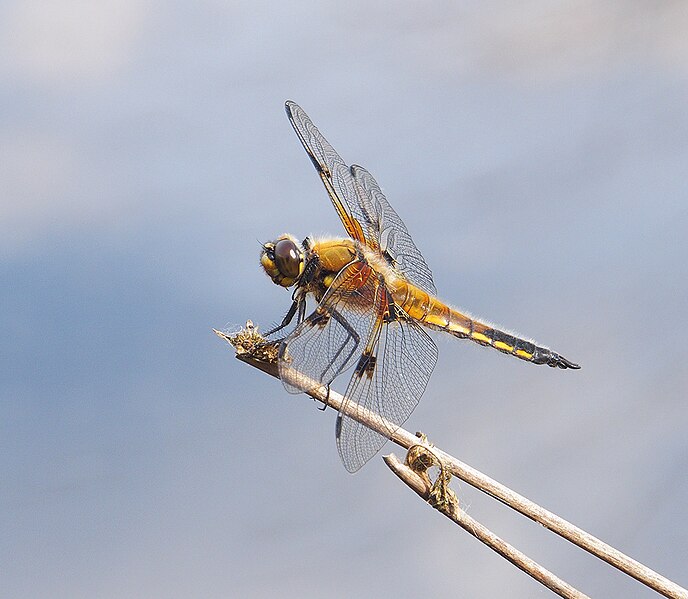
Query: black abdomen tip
point(557, 361)
point(552, 359)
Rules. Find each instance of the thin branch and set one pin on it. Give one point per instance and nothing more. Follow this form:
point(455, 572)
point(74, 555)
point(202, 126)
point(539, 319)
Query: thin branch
point(563, 528)
point(422, 486)
point(252, 349)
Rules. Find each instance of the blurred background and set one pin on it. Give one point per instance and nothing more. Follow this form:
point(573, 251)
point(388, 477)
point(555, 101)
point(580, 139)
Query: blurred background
point(539, 156)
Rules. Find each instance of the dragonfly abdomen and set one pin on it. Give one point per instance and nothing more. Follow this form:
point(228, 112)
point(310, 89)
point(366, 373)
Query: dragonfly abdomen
point(437, 315)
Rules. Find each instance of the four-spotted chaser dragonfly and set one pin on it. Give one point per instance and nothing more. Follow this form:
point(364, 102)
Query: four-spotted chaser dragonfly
point(375, 297)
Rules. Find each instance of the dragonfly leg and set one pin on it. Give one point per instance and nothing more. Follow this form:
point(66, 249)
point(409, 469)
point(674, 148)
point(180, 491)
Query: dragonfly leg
point(327, 399)
point(302, 310)
point(299, 304)
point(353, 335)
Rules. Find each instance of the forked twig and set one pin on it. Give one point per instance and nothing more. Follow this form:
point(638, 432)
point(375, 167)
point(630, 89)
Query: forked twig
point(253, 349)
point(450, 508)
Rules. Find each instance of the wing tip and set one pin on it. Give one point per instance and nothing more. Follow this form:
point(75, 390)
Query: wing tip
point(289, 106)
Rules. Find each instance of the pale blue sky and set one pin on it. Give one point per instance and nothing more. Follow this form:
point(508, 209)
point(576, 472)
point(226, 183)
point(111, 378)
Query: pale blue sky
point(538, 155)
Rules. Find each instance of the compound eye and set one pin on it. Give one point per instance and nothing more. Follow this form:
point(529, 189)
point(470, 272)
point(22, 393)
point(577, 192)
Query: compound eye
point(288, 258)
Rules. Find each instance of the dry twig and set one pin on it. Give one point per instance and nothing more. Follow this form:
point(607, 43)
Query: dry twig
point(449, 506)
point(254, 350)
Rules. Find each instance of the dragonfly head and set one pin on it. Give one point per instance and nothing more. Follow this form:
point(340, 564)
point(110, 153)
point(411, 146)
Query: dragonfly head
point(283, 260)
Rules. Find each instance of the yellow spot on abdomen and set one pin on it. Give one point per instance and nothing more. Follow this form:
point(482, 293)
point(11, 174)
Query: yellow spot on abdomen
point(503, 346)
point(457, 328)
point(438, 320)
point(480, 337)
point(523, 354)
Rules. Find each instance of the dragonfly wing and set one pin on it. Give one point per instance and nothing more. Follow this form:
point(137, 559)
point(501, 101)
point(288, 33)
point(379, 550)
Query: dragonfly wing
point(326, 162)
point(362, 207)
point(388, 383)
point(328, 341)
point(358, 202)
point(393, 237)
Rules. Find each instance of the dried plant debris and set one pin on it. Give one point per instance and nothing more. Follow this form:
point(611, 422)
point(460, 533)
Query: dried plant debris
point(249, 342)
point(420, 459)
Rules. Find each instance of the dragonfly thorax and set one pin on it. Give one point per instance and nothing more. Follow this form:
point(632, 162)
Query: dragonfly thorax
point(283, 260)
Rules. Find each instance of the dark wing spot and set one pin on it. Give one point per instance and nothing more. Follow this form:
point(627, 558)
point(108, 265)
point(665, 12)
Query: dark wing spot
point(366, 365)
point(320, 317)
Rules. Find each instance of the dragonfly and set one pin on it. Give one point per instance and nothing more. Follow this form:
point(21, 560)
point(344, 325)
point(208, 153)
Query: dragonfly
point(376, 301)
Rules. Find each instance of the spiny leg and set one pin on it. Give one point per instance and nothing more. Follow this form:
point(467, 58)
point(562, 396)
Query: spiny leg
point(299, 304)
point(352, 335)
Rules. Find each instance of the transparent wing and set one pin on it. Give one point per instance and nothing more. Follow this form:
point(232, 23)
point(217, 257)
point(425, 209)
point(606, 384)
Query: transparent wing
point(362, 207)
point(328, 341)
point(326, 162)
point(393, 237)
point(388, 382)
